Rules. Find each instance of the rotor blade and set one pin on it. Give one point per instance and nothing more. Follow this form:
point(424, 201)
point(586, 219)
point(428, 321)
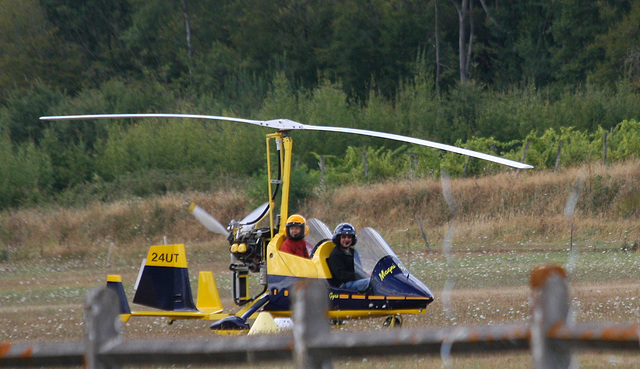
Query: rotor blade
point(207, 220)
point(422, 142)
point(286, 124)
point(271, 124)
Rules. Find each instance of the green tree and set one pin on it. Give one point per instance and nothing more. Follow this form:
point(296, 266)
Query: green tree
point(417, 107)
point(93, 27)
point(374, 43)
point(620, 45)
point(163, 38)
point(281, 36)
point(327, 106)
point(516, 47)
point(462, 111)
point(30, 52)
point(19, 117)
point(26, 174)
point(71, 163)
point(626, 140)
point(575, 27)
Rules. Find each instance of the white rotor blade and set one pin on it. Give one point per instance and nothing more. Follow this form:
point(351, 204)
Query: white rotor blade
point(151, 115)
point(207, 220)
point(422, 142)
point(286, 124)
point(276, 123)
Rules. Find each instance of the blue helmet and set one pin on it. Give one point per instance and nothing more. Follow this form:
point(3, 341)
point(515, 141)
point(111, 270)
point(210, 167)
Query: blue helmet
point(344, 228)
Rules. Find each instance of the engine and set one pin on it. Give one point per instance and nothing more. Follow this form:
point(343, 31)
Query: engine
point(247, 255)
point(248, 249)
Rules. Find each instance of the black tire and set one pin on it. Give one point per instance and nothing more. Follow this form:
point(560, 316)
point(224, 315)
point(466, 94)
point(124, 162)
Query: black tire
point(393, 322)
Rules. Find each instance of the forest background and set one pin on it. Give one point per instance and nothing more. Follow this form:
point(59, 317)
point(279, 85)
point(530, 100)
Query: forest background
point(486, 75)
point(83, 199)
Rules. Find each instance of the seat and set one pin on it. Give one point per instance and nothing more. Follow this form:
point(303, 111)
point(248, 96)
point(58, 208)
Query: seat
point(320, 254)
point(316, 247)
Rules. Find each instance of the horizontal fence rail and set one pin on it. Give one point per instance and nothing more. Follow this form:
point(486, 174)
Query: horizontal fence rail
point(312, 344)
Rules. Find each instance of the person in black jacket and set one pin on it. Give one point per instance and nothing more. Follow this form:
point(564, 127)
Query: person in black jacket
point(341, 260)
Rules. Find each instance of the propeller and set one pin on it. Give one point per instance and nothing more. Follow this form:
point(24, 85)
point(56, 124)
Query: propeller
point(286, 124)
point(207, 220)
point(213, 225)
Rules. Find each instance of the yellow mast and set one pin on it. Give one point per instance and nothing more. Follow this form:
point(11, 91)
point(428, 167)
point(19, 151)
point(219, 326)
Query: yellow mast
point(284, 146)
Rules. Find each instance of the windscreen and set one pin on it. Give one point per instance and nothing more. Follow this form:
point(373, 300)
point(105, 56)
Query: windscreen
point(371, 247)
point(318, 231)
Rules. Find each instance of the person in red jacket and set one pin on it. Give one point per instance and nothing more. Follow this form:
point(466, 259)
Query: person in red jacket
point(295, 243)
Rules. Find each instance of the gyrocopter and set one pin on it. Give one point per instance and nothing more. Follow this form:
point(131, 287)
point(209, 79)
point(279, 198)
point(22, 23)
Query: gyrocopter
point(163, 281)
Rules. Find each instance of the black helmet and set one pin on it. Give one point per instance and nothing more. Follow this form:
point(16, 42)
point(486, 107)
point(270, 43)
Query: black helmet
point(344, 228)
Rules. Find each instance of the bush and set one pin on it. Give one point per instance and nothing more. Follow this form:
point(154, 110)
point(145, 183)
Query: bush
point(26, 174)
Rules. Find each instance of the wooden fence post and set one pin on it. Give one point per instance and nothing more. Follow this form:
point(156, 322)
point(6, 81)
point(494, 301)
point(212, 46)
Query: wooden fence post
point(555, 168)
point(103, 326)
point(550, 310)
point(310, 306)
point(413, 160)
point(322, 185)
point(466, 167)
point(604, 149)
point(365, 164)
point(424, 235)
point(524, 153)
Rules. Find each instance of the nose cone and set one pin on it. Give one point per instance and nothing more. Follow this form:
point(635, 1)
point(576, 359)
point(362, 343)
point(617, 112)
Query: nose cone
point(419, 288)
point(389, 278)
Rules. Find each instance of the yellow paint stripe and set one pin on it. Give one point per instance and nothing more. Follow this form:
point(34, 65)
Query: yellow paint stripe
point(358, 297)
point(171, 314)
point(355, 314)
point(376, 297)
point(343, 296)
point(231, 332)
point(114, 278)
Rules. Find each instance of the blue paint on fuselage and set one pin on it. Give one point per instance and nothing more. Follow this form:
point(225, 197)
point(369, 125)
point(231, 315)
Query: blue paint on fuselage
point(391, 288)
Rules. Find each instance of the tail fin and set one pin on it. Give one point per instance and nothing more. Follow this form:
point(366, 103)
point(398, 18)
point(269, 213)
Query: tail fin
point(208, 297)
point(115, 282)
point(164, 282)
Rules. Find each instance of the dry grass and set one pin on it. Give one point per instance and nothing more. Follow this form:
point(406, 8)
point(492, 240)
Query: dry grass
point(505, 225)
point(509, 207)
point(129, 226)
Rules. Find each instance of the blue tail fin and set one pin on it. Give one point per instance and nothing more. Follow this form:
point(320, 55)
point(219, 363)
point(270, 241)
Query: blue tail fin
point(115, 283)
point(164, 282)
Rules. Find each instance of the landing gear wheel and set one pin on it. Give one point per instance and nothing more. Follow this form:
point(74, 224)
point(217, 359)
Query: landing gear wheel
point(393, 322)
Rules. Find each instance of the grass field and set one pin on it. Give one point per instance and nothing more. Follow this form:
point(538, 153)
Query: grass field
point(43, 301)
point(52, 257)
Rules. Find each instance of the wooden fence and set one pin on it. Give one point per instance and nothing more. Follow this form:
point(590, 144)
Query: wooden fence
point(549, 337)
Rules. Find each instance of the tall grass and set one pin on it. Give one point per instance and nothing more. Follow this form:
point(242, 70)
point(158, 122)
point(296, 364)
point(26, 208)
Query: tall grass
point(506, 211)
point(126, 227)
point(509, 207)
